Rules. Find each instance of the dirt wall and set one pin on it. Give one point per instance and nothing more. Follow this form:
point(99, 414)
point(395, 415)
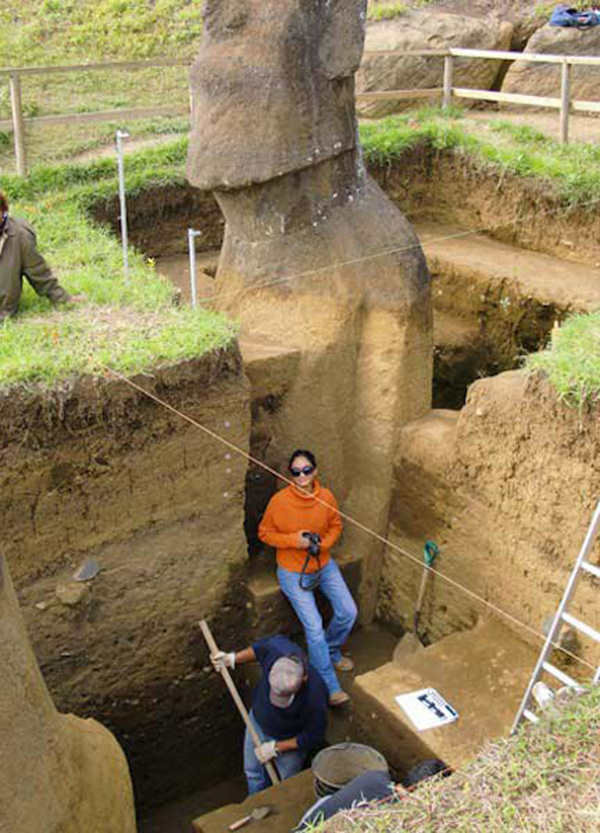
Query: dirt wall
point(99, 470)
point(425, 183)
point(507, 488)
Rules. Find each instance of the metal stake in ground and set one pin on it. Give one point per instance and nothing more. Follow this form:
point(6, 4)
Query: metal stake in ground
point(192, 234)
point(119, 136)
point(212, 647)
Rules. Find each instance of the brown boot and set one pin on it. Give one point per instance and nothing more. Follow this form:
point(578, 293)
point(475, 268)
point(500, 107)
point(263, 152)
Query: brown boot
point(344, 664)
point(338, 698)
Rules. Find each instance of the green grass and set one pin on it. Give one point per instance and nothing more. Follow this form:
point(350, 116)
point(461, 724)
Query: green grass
point(88, 258)
point(131, 325)
point(70, 32)
point(572, 361)
point(545, 779)
point(572, 170)
point(388, 9)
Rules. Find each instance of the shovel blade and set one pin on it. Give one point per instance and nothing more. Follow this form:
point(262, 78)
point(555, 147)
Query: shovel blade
point(406, 647)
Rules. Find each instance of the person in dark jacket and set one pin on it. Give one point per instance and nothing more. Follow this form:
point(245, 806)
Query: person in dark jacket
point(371, 787)
point(19, 257)
point(289, 708)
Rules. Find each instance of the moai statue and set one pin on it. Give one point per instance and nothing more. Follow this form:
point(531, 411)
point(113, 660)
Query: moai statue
point(58, 773)
point(316, 259)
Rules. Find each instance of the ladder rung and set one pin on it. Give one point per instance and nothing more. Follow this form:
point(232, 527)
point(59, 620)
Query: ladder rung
point(531, 716)
point(560, 675)
point(581, 626)
point(591, 568)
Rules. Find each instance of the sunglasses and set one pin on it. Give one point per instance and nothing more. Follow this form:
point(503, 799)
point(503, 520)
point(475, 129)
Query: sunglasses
point(304, 470)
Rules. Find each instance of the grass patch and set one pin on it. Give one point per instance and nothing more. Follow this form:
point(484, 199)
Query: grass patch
point(572, 170)
point(388, 9)
point(572, 361)
point(87, 257)
point(130, 325)
point(544, 779)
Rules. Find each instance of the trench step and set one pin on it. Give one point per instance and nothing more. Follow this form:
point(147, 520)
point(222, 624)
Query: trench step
point(288, 801)
point(271, 611)
point(482, 673)
point(483, 260)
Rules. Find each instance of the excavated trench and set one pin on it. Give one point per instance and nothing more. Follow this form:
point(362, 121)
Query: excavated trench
point(141, 667)
point(484, 235)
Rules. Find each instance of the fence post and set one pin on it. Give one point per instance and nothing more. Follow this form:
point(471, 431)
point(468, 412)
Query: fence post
point(565, 102)
point(16, 102)
point(448, 78)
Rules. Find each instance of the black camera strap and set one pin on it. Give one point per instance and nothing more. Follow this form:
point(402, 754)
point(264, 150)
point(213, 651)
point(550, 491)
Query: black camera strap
point(310, 581)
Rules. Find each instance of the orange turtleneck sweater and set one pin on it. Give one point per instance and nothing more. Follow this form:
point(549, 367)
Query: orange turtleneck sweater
point(291, 511)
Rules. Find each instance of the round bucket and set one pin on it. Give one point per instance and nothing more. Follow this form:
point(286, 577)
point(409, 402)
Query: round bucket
point(336, 766)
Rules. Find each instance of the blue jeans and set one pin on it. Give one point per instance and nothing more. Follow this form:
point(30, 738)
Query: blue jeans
point(287, 763)
point(324, 646)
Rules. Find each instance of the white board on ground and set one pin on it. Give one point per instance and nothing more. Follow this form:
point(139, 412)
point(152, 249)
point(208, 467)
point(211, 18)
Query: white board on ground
point(427, 709)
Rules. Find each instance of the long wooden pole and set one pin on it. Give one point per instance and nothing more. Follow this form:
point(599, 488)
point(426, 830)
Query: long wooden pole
point(565, 102)
point(448, 78)
point(212, 646)
point(18, 128)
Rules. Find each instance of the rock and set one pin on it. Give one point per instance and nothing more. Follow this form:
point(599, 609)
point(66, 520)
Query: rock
point(545, 79)
point(336, 271)
point(57, 772)
point(279, 75)
point(419, 30)
point(70, 593)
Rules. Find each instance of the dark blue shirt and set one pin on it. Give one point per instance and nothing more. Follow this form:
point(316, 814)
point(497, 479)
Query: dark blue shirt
point(306, 718)
point(374, 785)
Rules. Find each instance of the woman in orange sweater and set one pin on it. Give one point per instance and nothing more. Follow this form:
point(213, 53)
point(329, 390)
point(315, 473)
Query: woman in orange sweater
point(303, 522)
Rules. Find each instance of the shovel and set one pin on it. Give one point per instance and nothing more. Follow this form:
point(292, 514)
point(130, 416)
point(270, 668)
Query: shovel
point(412, 642)
point(256, 815)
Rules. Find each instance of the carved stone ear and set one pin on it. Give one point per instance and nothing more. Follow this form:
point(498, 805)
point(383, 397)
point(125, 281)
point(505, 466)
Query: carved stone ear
point(343, 37)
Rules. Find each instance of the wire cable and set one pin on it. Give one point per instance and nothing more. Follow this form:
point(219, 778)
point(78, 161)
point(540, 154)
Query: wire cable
point(233, 447)
point(288, 279)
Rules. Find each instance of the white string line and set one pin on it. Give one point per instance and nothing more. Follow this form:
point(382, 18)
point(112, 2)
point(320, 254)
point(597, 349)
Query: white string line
point(396, 250)
point(346, 517)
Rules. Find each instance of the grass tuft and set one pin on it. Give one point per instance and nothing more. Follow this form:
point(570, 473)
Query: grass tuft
point(572, 361)
point(545, 779)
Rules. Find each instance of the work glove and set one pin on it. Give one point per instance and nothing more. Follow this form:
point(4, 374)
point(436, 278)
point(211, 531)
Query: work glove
point(266, 751)
point(221, 660)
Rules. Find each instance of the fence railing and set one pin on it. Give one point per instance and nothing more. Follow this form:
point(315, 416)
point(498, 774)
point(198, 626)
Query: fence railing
point(564, 104)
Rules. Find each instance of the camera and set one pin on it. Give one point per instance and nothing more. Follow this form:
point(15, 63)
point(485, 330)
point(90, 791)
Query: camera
point(314, 547)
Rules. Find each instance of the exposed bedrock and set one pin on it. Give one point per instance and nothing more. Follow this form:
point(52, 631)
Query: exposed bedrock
point(541, 79)
point(421, 30)
point(315, 257)
point(98, 470)
point(57, 772)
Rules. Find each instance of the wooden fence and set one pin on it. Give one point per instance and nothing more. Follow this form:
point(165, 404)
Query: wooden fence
point(564, 104)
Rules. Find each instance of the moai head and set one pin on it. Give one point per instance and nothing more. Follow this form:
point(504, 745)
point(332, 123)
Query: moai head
point(273, 88)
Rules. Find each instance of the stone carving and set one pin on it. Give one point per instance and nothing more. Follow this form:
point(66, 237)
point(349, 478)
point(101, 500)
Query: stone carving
point(316, 260)
point(57, 772)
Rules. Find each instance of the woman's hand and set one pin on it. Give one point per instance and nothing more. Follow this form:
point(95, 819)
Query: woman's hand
point(303, 541)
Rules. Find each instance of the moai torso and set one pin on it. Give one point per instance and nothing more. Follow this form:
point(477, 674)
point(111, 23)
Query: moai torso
point(57, 772)
point(315, 256)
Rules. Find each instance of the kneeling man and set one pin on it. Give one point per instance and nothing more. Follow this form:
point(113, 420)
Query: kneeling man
point(289, 708)
point(20, 257)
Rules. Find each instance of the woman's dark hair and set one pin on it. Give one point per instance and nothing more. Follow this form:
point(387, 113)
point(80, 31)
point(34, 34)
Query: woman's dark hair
point(302, 452)
point(3, 204)
point(426, 769)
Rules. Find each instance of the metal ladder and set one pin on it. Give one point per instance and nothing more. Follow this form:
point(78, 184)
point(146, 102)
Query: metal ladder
point(562, 617)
